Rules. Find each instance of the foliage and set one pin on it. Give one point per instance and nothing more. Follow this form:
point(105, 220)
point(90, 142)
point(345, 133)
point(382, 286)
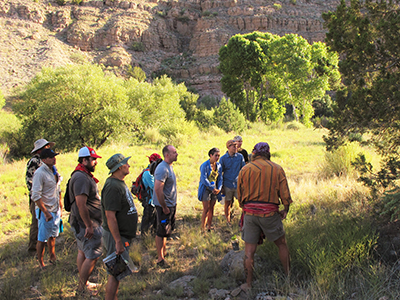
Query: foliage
point(136, 72)
point(73, 105)
point(208, 102)
point(262, 72)
point(137, 46)
point(365, 34)
point(228, 117)
point(204, 118)
point(340, 162)
point(159, 103)
point(277, 6)
point(77, 2)
point(391, 200)
point(323, 107)
point(2, 100)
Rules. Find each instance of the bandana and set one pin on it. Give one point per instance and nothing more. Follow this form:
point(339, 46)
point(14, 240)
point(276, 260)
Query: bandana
point(261, 148)
point(82, 168)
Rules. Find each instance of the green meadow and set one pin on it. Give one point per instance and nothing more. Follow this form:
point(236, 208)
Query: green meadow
point(331, 228)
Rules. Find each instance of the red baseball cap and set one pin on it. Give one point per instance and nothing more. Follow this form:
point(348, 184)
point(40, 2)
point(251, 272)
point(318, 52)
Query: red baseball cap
point(87, 151)
point(154, 157)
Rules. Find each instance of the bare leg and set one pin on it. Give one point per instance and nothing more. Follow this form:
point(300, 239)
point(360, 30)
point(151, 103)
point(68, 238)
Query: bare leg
point(210, 214)
point(111, 288)
point(85, 271)
point(283, 253)
point(206, 207)
point(228, 211)
point(161, 247)
point(40, 253)
point(249, 250)
point(51, 245)
point(80, 258)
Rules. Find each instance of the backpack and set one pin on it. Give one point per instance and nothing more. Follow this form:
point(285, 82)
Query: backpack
point(154, 165)
point(67, 201)
point(138, 188)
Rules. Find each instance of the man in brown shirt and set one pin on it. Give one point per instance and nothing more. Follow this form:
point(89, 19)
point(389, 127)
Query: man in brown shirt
point(262, 187)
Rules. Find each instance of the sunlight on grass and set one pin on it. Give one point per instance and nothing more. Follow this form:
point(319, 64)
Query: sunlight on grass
point(329, 231)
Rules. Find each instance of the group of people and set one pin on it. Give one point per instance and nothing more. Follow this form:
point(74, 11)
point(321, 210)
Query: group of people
point(110, 221)
point(260, 187)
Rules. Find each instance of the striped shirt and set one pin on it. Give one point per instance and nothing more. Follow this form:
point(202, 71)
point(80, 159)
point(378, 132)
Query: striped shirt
point(262, 181)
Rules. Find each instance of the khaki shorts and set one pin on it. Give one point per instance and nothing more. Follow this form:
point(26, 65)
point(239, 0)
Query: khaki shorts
point(92, 248)
point(253, 226)
point(230, 193)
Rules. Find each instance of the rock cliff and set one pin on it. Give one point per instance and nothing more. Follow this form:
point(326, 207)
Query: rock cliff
point(178, 37)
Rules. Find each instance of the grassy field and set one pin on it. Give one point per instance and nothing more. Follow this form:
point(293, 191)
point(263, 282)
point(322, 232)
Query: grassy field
point(329, 229)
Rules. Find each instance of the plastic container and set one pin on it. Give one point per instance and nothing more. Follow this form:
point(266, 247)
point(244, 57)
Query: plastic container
point(235, 243)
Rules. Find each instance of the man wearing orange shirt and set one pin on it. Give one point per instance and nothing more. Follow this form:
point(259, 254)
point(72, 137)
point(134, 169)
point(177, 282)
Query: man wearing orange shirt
point(262, 187)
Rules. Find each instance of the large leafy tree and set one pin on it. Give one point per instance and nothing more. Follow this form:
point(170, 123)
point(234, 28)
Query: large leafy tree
point(74, 106)
point(366, 35)
point(263, 72)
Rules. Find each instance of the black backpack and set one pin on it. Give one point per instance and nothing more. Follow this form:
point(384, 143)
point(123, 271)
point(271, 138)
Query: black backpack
point(67, 201)
point(154, 165)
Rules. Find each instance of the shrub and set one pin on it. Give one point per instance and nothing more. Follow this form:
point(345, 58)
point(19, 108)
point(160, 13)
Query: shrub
point(61, 2)
point(204, 118)
point(228, 117)
point(137, 46)
point(77, 2)
point(339, 162)
point(294, 125)
point(208, 102)
point(2, 100)
point(277, 6)
point(136, 72)
point(74, 106)
point(152, 135)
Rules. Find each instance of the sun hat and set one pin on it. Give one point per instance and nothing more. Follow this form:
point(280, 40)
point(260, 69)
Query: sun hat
point(87, 151)
point(230, 143)
point(154, 157)
point(115, 161)
point(39, 144)
point(47, 153)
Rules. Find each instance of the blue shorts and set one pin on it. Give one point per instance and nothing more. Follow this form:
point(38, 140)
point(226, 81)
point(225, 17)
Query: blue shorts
point(48, 229)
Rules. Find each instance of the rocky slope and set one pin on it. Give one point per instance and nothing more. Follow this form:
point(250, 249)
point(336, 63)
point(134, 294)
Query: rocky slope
point(178, 37)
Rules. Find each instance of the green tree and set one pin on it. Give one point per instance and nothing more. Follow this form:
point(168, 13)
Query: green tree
point(259, 67)
point(74, 106)
point(228, 117)
point(366, 35)
point(243, 63)
point(159, 103)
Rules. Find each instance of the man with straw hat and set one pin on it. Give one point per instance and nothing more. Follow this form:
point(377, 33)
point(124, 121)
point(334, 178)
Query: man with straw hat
point(33, 164)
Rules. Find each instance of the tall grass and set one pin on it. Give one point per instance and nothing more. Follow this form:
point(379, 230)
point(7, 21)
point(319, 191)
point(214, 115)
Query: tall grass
point(330, 231)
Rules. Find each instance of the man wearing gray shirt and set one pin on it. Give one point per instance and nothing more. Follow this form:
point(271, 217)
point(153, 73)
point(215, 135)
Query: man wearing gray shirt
point(164, 198)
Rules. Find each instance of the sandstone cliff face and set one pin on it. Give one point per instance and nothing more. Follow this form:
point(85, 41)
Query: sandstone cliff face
point(178, 37)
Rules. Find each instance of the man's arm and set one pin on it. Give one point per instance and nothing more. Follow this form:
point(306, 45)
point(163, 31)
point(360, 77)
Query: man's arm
point(84, 213)
point(159, 190)
point(113, 226)
point(44, 210)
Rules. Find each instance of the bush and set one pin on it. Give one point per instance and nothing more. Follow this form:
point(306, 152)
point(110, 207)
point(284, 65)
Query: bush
point(73, 106)
point(294, 125)
point(204, 118)
point(339, 162)
point(208, 102)
point(228, 117)
point(277, 6)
